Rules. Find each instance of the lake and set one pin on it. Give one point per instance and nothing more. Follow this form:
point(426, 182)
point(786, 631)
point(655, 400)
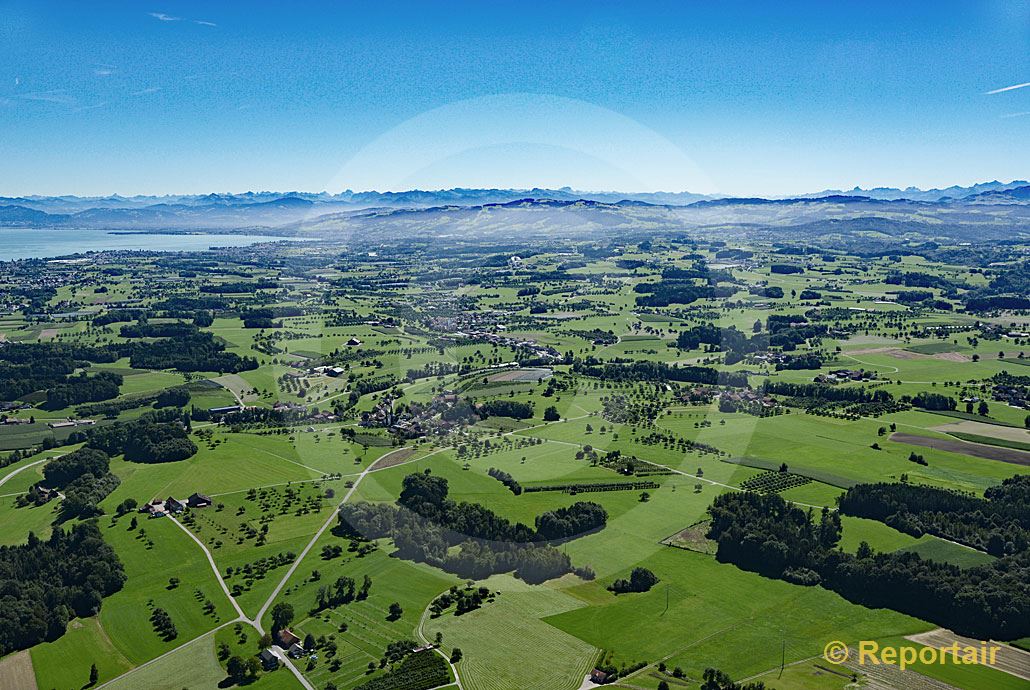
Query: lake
point(37, 243)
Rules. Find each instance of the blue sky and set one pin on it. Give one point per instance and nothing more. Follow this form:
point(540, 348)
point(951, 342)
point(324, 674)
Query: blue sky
point(737, 98)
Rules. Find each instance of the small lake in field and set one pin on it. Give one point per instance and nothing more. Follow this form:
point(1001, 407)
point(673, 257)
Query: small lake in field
point(40, 243)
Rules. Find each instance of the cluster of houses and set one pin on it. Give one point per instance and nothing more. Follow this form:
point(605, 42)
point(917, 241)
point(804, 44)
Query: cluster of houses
point(535, 349)
point(1016, 396)
point(302, 410)
point(288, 641)
point(747, 395)
point(769, 357)
point(417, 420)
point(845, 376)
point(172, 506)
point(699, 395)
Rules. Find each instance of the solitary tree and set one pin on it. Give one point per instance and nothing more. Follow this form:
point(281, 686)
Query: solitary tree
point(94, 674)
point(282, 615)
point(395, 611)
point(253, 666)
point(236, 669)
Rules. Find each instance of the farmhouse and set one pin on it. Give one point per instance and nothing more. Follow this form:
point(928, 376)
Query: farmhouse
point(198, 501)
point(155, 508)
point(269, 660)
point(225, 410)
point(45, 494)
point(65, 423)
point(287, 639)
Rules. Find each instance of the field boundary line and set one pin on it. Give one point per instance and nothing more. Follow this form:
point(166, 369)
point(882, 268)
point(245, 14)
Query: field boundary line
point(132, 670)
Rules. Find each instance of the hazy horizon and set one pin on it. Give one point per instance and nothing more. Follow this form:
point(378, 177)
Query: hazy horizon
point(739, 99)
point(563, 188)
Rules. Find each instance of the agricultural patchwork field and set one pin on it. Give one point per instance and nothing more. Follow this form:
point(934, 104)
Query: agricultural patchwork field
point(646, 462)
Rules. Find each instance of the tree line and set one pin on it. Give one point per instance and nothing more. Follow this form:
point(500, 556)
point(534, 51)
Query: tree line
point(824, 391)
point(768, 535)
point(657, 371)
point(29, 367)
point(154, 437)
point(44, 584)
point(424, 524)
point(998, 523)
point(85, 479)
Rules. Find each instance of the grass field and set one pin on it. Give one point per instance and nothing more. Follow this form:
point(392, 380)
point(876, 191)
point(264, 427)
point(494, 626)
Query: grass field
point(809, 675)
point(548, 657)
point(935, 549)
point(855, 530)
point(703, 613)
point(64, 664)
point(18, 522)
point(272, 491)
point(166, 673)
point(368, 631)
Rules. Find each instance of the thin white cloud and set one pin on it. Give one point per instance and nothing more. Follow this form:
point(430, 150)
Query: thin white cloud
point(103, 71)
point(1022, 114)
point(172, 18)
point(148, 90)
point(88, 107)
point(56, 97)
point(1008, 88)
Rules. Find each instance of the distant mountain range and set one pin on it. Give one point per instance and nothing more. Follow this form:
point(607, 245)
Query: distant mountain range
point(300, 210)
point(916, 194)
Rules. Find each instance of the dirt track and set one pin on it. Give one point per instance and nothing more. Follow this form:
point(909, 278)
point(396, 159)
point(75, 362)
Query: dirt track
point(977, 450)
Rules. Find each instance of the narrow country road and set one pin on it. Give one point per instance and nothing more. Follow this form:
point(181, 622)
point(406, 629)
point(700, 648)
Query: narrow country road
point(23, 468)
point(422, 635)
point(256, 621)
point(214, 567)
